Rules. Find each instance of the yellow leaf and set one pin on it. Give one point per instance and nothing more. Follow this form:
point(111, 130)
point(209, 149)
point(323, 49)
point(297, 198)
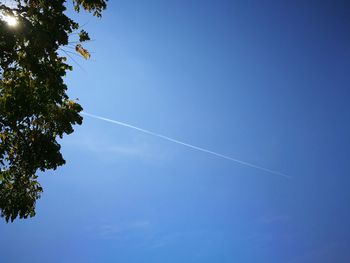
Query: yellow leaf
point(82, 51)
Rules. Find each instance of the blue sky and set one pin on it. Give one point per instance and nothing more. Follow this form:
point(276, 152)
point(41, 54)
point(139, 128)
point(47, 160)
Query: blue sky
point(264, 82)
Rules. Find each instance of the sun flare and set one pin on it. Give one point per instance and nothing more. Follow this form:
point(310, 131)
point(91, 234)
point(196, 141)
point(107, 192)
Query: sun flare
point(10, 20)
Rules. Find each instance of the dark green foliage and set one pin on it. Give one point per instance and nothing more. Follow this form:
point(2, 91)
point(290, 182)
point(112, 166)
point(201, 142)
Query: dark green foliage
point(94, 6)
point(83, 36)
point(34, 108)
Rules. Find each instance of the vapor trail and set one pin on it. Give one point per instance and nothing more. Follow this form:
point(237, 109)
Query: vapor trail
point(185, 144)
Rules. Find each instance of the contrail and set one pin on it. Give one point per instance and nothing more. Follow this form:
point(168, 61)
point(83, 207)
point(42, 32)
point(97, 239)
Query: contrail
point(185, 144)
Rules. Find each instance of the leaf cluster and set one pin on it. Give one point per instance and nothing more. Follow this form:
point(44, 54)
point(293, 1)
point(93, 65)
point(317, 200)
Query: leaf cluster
point(35, 109)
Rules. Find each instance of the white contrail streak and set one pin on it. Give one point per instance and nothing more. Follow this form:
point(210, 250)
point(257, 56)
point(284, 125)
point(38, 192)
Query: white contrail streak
point(185, 144)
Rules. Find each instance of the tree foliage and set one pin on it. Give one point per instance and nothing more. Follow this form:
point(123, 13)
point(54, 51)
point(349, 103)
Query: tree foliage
point(35, 109)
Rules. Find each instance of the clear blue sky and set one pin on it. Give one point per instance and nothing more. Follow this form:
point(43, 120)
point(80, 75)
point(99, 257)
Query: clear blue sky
point(263, 81)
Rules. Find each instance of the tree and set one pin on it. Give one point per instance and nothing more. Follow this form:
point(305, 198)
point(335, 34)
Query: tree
point(34, 108)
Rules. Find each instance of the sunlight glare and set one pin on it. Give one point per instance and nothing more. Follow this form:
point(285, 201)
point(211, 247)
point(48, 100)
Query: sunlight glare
point(10, 20)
